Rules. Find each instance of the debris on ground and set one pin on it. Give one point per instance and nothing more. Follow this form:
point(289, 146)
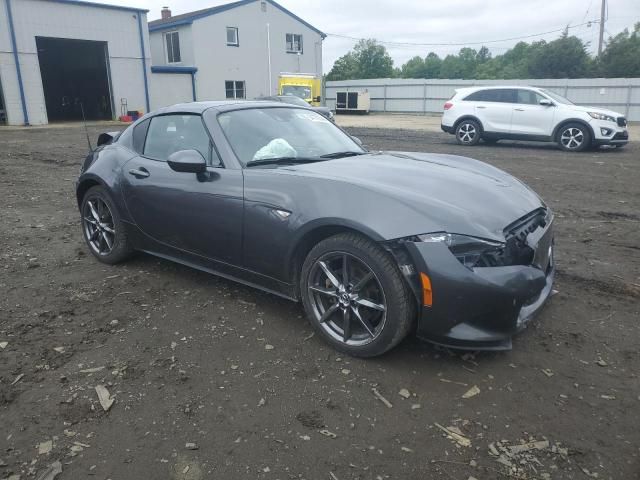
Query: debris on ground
point(404, 393)
point(92, 370)
point(520, 460)
point(548, 372)
point(268, 347)
point(105, 398)
point(601, 362)
point(58, 349)
point(379, 396)
point(17, 379)
point(327, 433)
point(416, 406)
point(45, 447)
point(455, 434)
point(472, 392)
point(52, 471)
point(3, 345)
point(191, 446)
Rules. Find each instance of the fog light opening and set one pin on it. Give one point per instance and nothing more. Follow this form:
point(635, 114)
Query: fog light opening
point(427, 292)
point(605, 131)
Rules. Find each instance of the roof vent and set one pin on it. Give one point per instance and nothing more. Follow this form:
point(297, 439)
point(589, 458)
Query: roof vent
point(166, 13)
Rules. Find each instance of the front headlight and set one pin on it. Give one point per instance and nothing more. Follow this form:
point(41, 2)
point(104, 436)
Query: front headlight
point(468, 250)
point(601, 116)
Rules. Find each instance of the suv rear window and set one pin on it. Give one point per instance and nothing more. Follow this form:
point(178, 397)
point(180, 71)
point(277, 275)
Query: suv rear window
point(502, 95)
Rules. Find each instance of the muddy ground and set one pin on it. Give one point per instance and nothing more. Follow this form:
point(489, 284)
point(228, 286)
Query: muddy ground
point(188, 356)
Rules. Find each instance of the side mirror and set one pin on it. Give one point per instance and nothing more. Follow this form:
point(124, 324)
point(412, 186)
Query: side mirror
point(545, 102)
point(317, 99)
point(190, 161)
point(357, 140)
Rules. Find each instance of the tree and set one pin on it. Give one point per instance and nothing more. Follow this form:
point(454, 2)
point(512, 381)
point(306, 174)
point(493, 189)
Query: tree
point(414, 68)
point(432, 66)
point(621, 56)
point(565, 57)
point(368, 59)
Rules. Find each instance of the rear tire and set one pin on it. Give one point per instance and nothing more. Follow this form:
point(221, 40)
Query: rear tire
point(103, 230)
point(363, 312)
point(573, 137)
point(468, 132)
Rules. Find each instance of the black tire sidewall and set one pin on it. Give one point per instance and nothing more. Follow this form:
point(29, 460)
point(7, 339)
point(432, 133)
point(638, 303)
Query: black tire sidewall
point(476, 139)
point(395, 293)
point(122, 248)
point(586, 143)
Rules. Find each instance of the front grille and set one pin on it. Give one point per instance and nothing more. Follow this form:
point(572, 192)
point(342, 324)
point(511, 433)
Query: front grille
point(622, 121)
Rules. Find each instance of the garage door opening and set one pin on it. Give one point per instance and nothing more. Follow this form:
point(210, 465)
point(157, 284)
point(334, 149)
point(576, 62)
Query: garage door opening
point(3, 109)
point(75, 75)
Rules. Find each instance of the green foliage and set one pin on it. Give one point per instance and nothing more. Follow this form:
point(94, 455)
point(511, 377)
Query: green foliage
point(368, 59)
point(565, 57)
point(621, 58)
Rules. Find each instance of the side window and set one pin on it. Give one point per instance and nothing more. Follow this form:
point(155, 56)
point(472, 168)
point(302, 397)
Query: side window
point(529, 97)
point(479, 96)
point(506, 95)
point(234, 89)
point(139, 136)
point(232, 37)
point(294, 42)
point(171, 133)
point(172, 40)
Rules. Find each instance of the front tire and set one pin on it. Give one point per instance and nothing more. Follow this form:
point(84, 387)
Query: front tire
point(468, 132)
point(102, 228)
point(355, 296)
point(574, 137)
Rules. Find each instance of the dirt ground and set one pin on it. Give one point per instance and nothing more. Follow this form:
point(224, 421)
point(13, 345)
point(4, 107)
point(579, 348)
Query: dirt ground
point(216, 380)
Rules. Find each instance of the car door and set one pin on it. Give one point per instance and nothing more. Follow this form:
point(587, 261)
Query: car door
point(494, 108)
point(197, 213)
point(531, 118)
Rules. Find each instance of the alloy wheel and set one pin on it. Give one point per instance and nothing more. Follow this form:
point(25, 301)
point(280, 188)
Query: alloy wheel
point(572, 138)
point(467, 132)
point(98, 225)
point(347, 298)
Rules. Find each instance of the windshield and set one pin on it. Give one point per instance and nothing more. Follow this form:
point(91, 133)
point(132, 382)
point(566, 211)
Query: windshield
point(279, 132)
point(293, 100)
point(556, 97)
point(299, 91)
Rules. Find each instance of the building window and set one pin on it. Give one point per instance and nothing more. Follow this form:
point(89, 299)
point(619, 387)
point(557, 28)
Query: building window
point(172, 40)
point(294, 43)
point(232, 37)
point(235, 89)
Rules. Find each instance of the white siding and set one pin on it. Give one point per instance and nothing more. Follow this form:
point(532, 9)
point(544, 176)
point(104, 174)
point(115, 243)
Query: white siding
point(32, 18)
point(217, 62)
point(169, 89)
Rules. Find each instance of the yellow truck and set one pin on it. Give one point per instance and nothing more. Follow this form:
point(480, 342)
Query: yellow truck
point(304, 85)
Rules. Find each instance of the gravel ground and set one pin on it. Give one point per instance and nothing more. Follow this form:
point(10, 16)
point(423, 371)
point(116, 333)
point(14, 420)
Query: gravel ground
point(215, 380)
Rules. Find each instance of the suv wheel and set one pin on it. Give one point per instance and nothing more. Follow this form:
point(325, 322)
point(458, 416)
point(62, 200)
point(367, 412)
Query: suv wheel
point(574, 137)
point(468, 132)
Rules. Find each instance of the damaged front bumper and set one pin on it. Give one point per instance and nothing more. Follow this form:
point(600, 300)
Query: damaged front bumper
point(481, 308)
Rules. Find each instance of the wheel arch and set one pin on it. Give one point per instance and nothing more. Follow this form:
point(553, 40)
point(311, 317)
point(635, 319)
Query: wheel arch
point(468, 117)
point(84, 186)
point(556, 131)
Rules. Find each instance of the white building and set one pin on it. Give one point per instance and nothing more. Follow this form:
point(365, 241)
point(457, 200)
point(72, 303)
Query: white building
point(56, 55)
point(236, 50)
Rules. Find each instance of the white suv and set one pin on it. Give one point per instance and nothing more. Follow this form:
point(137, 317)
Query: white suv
point(528, 113)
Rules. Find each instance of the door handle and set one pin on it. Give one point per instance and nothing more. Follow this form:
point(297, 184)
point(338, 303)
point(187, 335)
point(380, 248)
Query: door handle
point(139, 173)
point(519, 109)
point(480, 106)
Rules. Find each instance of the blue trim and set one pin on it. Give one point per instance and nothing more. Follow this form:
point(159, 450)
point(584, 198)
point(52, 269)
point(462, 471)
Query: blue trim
point(144, 62)
point(188, 18)
point(100, 5)
point(17, 62)
point(193, 85)
point(170, 69)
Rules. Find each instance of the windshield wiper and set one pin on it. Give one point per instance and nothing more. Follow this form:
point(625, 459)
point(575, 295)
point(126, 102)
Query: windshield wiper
point(342, 154)
point(282, 160)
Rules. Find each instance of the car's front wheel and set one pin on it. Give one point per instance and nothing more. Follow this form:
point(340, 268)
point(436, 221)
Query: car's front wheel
point(104, 231)
point(468, 132)
point(355, 296)
point(574, 137)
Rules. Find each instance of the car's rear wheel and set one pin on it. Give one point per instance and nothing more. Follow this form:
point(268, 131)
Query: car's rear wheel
point(468, 132)
point(104, 231)
point(574, 137)
point(355, 296)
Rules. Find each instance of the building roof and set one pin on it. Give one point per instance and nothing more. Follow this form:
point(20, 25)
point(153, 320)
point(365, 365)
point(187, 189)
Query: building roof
point(188, 18)
point(99, 5)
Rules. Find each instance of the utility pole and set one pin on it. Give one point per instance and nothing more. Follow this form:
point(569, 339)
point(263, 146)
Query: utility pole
point(601, 39)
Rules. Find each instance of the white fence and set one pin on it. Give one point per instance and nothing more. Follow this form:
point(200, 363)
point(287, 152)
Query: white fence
point(428, 96)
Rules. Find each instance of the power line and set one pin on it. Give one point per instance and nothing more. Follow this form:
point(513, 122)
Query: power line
point(411, 44)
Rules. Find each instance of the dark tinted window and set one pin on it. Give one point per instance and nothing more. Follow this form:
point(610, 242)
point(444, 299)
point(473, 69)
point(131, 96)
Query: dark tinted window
point(171, 133)
point(502, 95)
point(139, 135)
point(529, 97)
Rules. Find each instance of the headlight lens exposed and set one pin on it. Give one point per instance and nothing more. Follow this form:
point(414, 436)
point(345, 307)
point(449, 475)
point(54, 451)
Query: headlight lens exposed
point(468, 250)
point(601, 116)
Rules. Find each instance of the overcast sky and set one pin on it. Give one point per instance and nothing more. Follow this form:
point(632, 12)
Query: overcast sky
point(430, 21)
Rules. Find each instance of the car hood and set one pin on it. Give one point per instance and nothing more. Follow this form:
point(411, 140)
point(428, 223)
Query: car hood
point(439, 192)
point(322, 110)
point(580, 108)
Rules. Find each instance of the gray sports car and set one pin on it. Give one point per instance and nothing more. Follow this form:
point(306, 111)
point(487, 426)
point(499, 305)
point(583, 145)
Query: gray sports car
point(374, 244)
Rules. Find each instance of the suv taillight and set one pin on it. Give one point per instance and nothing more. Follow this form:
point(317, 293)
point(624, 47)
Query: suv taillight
point(448, 105)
